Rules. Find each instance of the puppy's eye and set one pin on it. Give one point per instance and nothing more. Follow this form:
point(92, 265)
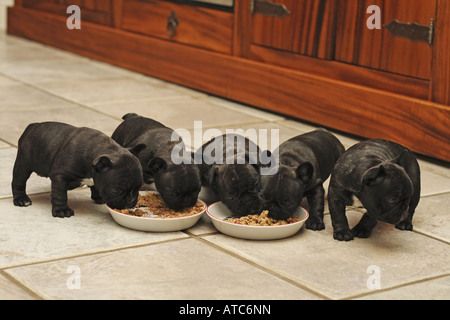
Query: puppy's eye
point(115, 191)
point(393, 200)
point(230, 197)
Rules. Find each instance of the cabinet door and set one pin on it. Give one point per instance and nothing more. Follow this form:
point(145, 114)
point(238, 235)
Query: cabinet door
point(96, 11)
point(308, 29)
point(378, 48)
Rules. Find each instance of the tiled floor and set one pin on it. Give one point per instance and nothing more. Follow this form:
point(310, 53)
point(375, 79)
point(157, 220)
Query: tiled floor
point(43, 258)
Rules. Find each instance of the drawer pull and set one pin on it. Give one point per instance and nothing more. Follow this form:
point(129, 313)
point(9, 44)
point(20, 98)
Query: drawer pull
point(269, 9)
point(412, 31)
point(172, 25)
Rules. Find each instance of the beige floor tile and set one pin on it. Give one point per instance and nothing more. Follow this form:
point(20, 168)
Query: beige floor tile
point(437, 167)
point(13, 123)
point(187, 270)
point(437, 289)
point(432, 217)
point(106, 91)
point(19, 97)
point(54, 70)
point(432, 183)
point(31, 234)
point(271, 136)
point(4, 145)
point(14, 50)
point(338, 269)
point(250, 111)
point(303, 127)
point(6, 81)
point(11, 291)
point(177, 113)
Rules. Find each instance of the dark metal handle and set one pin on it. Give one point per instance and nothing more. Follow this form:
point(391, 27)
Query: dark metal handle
point(270, 9)
point(412, 31)
point(172, 25)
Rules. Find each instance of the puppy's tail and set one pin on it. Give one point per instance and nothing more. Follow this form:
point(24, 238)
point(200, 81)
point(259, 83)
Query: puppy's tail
point(130, 116)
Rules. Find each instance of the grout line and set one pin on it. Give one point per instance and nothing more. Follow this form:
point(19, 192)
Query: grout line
point(435, 194)
point(88, 254)
point(260, 267)
point(431, 237)
point(407, 284)
point(33, 86)
point(19, 284)
point(10, 145)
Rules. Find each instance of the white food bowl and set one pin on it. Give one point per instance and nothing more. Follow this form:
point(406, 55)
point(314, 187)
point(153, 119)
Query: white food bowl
point(218, 212)
point(156, 224)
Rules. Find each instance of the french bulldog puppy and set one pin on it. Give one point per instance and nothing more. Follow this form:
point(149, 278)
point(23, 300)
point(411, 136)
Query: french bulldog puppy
point(178, 183)
point(385, 177)
point(304, 162)
point(72, 157)
point(230, 167)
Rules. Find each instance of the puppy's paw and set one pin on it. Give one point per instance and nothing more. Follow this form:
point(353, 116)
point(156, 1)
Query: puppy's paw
point(64, 212)
point(343, 235)
point(405, 226)
point(315, 224)
point(360, 231)
point(24, 201)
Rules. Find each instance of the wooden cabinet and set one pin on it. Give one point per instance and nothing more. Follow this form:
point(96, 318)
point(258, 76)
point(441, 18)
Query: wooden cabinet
point(377, 48)
point(309, 29)
point(319, 62)
point(96, 11)
point(192, 25)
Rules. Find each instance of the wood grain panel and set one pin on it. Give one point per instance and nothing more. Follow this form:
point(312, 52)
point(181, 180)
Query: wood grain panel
point(200, 27)
point(98, 11)
point(440, 91)
point(375, 79)
point(378, 49)
point(308, 30)
point(420, 125)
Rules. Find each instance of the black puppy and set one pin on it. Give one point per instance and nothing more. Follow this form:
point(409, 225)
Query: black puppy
point(230, 167)
point(304, 163)
point(385, 177)
point(72, 157)
point(178, 183)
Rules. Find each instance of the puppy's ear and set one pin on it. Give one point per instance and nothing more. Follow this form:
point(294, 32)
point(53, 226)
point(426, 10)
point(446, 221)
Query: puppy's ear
point(305, 172)
point(135, 150)
point(374, 176)
point(156, 165)
point(212, 176)
point(403, 158)
point(102, 164)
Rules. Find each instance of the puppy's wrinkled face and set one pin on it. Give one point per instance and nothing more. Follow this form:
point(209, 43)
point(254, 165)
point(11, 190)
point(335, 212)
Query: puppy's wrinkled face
point(118, 180)
point(386, 193)
point(239, 187)
point(282, 194)
point(179, 186)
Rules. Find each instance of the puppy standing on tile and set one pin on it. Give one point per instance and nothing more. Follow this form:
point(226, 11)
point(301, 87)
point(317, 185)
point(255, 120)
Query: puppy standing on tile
point(72, 157)
point(304, 163)
point(385, 177)
point(178, 184)
point(230, 166)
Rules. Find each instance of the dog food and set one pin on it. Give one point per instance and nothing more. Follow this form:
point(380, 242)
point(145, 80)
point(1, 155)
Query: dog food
point(152, 205)
point(262, 220)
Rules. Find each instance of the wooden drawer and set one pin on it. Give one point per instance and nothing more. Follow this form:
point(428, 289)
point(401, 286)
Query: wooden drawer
point(98, 11)
point(200, 27)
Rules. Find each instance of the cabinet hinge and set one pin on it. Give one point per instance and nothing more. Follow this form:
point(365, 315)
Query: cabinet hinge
point(269, 9)
point(412, 31)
